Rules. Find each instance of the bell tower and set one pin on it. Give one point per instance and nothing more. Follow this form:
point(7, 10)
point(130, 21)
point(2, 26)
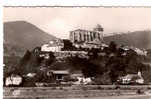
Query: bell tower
point(99, 29)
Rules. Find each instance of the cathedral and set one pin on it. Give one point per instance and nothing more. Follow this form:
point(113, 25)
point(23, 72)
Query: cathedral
point(86, 36)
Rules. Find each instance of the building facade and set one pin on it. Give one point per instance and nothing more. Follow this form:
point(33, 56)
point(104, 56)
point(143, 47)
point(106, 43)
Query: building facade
point(53, 46)
point(13, 80)
point(132, 79)
point(82, 36)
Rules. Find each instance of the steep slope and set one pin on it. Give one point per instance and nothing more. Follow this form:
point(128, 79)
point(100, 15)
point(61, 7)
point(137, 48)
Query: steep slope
point(140, 39)
point(24, 35)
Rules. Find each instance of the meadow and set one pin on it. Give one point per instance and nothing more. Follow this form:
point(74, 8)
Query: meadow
point(76, 92)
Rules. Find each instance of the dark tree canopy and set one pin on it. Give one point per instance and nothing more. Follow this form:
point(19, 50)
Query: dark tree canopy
point(112, 46)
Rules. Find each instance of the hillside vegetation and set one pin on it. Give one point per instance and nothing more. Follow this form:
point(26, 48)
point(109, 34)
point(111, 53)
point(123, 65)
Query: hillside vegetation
point(104, 66)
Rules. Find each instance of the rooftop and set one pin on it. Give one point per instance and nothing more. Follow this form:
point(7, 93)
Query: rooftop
point(60, 72)
point(84, 30)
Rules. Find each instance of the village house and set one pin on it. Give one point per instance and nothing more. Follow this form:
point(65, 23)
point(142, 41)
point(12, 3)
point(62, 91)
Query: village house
point(79, 78)
point(70, 53)
point(131, 79)
point(31, 75)
point(53, 46)
point(58, 75)
point(137, 50)
point(44, 54)
point(140, 52)
point(68, 77)
point(13, 80)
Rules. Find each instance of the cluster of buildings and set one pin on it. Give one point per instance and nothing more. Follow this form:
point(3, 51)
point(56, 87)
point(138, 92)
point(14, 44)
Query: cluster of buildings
point(59, 77)
point(53, 46)
point(139, 51)
point(79, 38)
point(85, 39)
point(82, 39)
point(75, 78)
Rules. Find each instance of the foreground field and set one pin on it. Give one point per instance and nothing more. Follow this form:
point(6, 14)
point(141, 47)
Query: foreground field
point(107, 97)
point(119, 97)
point(73, 93)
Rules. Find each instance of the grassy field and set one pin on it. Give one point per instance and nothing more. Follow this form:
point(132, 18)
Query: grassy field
point(118, 97)
point(72, 93)
point(100, 97)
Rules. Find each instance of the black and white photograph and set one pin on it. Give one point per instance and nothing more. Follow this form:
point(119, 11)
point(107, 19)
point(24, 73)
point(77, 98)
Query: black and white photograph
point(76, 52)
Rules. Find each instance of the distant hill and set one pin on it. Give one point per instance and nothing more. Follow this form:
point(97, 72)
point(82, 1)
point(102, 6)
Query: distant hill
point(140, 39)
point(22, 35)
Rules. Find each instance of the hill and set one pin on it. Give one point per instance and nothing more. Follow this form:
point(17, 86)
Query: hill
point(22, 35)
point(140, 39)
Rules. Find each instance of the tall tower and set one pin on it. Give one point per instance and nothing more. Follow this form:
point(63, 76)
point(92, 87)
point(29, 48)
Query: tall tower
point(99, 29)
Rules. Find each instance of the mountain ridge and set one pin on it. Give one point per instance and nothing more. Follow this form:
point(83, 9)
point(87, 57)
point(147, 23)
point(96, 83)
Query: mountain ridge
point(20, 36)
point(24, 35)
point(140, 39)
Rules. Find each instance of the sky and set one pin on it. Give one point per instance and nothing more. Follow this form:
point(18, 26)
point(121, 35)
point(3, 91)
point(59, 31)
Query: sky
point(59, 21)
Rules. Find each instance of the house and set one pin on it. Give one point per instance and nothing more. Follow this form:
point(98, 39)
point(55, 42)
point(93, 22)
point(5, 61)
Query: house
point(66, 77)
point(76, 74)
point(45, 54)
point(131, 79)
point(141, 52)
point(13, 80)
point(59, 75)
point(31, 75)
point(53, 46)
point(83, 80)
point(79, 78)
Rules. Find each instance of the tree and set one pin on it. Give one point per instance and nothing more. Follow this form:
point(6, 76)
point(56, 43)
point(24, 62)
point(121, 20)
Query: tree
point(112, 46)
point(103, 79)
point(50, 60)
point(116, 67)
point(90, 70)
point(93, 53)
point(25, 58)
point(68, 45)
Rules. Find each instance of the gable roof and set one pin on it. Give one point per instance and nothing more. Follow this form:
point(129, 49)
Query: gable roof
point(60, 72)
point(131, 76)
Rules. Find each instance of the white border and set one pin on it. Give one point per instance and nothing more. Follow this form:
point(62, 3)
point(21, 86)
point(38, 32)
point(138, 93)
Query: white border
point(77, 3)
point(1, 51)
point(111, 3)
